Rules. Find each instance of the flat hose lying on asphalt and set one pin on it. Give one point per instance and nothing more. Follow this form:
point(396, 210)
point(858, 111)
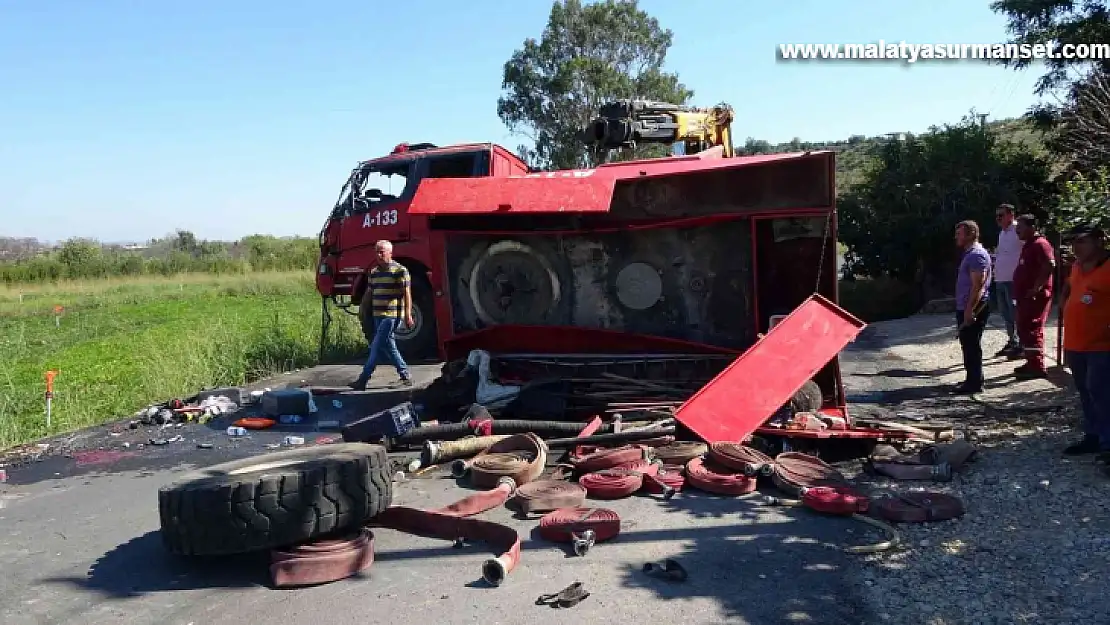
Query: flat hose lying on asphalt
point(581, 526)
point(331, 560)
point(892, 540)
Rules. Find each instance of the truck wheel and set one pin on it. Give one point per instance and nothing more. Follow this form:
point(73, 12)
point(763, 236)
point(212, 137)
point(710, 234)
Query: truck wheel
point(417, 343)
point(275, 500)
point(808, 398)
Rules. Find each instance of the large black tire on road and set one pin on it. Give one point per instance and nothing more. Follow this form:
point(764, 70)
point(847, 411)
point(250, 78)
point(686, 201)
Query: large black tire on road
point(275, 500)
point(414, 345)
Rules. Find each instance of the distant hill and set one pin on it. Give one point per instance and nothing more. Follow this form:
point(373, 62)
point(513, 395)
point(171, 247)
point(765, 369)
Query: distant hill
point(855, 153)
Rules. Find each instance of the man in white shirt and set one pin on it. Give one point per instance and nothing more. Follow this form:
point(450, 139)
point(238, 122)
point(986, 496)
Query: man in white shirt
point(1007, 255)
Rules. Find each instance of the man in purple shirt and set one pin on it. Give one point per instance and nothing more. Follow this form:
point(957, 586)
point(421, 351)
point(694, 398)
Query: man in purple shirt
point(972, 279)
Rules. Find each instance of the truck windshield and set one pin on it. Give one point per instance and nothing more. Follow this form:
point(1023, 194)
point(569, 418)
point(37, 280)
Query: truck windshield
point(372, 185)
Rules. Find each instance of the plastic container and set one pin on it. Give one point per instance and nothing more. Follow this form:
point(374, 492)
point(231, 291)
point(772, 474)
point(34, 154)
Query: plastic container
point(236, 431)
point(396, 420)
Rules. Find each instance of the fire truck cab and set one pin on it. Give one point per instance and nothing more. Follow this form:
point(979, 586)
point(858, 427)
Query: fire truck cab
point(373, 205)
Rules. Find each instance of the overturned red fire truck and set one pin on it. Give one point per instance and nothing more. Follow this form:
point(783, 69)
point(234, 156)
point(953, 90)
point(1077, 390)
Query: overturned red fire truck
point(684, 256)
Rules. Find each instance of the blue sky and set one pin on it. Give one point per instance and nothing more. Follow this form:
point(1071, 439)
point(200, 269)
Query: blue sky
point(126, 120)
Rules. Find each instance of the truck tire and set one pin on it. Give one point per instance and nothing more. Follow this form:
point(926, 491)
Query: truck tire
point(419, 343)
point(808, 398)
point(274, 500)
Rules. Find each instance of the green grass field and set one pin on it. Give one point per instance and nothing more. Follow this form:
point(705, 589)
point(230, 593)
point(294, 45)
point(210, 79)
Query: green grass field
point(123, 344)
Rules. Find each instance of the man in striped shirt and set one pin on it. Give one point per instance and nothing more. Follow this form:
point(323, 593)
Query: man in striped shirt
point(390, 293)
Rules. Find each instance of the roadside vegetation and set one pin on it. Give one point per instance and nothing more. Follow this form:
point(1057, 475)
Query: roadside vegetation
point(122, 344)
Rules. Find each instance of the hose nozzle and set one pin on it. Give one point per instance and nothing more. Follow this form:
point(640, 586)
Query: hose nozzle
point(583, 542)
point(494, 571)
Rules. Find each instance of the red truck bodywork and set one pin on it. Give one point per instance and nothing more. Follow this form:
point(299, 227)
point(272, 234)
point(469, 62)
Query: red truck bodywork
point(734, 241)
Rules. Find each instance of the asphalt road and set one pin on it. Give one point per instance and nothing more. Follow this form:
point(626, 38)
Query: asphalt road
point(79, 543)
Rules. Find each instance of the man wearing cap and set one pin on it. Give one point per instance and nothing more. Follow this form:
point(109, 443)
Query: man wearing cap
point(1087, 337)
point(1033, 293)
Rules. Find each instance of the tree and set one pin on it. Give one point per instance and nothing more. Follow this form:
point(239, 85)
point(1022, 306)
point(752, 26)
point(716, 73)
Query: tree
point(185, 241)
point(1085, 199)
point(1061, 22)
point(1079, 127)
point(898, 220)
point(586, 56)
point(78, 255)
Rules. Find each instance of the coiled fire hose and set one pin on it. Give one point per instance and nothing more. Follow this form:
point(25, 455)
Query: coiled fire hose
point(609, 458)
point(624, 480)
point(712, 478)
point(581, 526)
point(741, 458)
point(794, 471)
point(521, 457)
point(681, 452)
point(670, 476)
point(548, 495)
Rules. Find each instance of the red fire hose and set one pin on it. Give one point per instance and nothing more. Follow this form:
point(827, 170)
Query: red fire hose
point(713, 478)
point(741, 458)
point(548, 495)
point(330, 560)
point(610, 458)
point(581, 526)
point(670, 476)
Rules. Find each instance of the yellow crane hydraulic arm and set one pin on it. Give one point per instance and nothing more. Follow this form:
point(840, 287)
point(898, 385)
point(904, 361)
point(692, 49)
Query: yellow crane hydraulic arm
point(626, 123)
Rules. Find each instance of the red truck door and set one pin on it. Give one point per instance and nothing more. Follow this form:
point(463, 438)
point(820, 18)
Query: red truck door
point(376, 211)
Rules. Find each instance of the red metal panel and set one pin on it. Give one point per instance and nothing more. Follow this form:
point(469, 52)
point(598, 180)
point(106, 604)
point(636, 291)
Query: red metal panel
point(577, 191)
point(739, 400)
point(453, 196)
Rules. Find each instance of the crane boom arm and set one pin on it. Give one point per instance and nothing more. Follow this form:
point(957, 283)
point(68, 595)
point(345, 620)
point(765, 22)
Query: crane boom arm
point(626, 123)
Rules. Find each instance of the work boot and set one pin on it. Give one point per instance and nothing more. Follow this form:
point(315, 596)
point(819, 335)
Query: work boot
point(967, 388)
point(1087, 445)
point(403, 383)
point(360, 383)
point(1010, 351)
point(1029, 372)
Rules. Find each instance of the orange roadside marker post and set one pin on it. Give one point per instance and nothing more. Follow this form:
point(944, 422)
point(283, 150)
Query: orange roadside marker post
point(58, 310)
point(50, 375)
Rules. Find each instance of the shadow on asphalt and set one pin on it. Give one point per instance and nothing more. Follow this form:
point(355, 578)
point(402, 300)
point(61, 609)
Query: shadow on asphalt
point(756, 569)
point(142, 566)
point(760, 570)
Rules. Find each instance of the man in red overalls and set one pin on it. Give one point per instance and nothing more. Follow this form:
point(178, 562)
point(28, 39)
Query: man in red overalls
point(1033, 292)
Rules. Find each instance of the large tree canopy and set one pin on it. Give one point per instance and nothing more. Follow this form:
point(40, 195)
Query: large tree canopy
point(586, 56)
point(898, 221)
point(1061, 22)
point(1077, 124)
